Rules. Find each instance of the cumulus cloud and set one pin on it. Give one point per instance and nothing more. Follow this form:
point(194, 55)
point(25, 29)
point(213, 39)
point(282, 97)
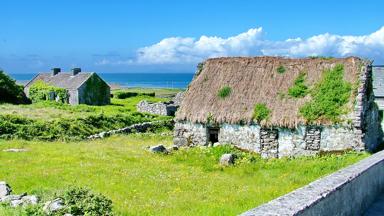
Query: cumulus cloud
point(182, 50)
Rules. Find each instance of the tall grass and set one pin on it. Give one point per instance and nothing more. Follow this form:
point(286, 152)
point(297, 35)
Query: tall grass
point(185, 182)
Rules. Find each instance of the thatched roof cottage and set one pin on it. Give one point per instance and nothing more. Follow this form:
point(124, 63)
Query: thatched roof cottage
point(82, 87)
point(280, 106)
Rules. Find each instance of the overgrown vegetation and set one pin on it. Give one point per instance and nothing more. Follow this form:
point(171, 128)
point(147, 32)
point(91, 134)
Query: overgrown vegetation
point(329, 96)
point(299, 89)
point(127, 94)
point(321, 57)
point(12, 126)
point(158, 184)
point(10, 92)
point(57, 121)
point(224, 92)
point(77, 201)
point(261, 112)
point(200, 67)
point(41, 91)
point(280, 69)
point(82, 201)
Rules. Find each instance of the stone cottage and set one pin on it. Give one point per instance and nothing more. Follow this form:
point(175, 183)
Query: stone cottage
point(205, 118)
point(83, 87)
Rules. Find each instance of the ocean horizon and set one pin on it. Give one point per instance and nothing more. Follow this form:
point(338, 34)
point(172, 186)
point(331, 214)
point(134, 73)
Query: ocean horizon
point(127, 80)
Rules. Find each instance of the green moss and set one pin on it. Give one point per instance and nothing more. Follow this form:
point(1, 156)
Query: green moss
point(328, 97)
point(224, 92)
point(40, 91)
point(299, 89)
point(96, 91)
point(280, 69)
point(261, 112)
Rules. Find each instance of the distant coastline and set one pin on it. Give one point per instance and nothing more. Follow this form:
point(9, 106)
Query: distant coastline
point(125, 80)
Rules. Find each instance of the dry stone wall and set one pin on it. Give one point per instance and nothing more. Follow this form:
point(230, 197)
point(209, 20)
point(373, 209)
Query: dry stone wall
point(166, 109)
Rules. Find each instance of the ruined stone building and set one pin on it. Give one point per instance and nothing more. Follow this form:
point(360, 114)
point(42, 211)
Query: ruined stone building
point(207, 116)
point(83, 87)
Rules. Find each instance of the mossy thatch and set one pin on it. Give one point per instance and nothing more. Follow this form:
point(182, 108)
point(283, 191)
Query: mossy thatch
point(254, 80)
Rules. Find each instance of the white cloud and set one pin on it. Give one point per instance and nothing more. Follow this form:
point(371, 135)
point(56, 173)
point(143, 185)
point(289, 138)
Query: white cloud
point(179, 50)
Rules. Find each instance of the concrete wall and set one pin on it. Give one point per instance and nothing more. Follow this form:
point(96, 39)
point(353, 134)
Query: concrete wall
point(349, 191)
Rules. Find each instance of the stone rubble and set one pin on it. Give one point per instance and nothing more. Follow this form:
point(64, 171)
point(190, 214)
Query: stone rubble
point(158, 149)
point(53, 206)
point(15, 200)
point(136, 128)
point(15, 150)
point(227, 159)
point(5, 189)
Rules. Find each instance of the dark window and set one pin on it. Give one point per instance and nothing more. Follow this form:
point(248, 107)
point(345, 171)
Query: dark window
point(213, 135)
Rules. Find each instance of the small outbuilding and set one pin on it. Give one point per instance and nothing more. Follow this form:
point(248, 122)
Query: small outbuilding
point(82, 87)
point(281, 106)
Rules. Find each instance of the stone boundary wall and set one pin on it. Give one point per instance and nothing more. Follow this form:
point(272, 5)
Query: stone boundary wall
point(161, 108)
point(349, 191)
point(136, 128)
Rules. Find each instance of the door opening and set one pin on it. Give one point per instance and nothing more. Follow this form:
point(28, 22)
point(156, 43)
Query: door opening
point(213, 135)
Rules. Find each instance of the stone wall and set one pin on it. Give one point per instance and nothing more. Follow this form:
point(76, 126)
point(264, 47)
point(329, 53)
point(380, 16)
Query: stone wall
point(247, 138)
point(366, 121)
point(188, 134)
point(178, 98)
point(349, 191)
point(161, 108)
point(277, 142)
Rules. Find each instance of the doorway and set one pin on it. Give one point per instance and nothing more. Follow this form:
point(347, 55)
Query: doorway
point(213, 135)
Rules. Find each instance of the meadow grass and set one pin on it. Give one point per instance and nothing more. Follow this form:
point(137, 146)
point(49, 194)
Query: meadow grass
point(185, 182)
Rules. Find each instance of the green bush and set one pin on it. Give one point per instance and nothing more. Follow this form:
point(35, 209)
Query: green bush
point(128, 94)
point(12, 126)
point(329, 96)
point(10, 92)
point(280, 69)
point(261, 112)
point(299, 89)
point(40, 91)
point(82, 201)
point(224, 92)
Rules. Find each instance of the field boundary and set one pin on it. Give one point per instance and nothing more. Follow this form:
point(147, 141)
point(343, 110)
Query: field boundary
point(349, 191)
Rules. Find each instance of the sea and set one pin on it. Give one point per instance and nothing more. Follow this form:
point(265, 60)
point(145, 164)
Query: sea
point(126, 80)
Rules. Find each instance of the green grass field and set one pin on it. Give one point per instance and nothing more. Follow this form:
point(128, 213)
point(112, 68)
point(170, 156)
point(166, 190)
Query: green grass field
point(187, 182)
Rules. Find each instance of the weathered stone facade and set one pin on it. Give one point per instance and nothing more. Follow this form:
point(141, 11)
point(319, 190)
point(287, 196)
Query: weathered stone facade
point(161, 108)
point(278, 142)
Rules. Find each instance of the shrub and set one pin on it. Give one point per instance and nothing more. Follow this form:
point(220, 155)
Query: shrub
point(329, 96)
point(12, 126)
point(261, 112)
point(128, 94)
point(280, 69)
point(10, 92)
point(82, 201)
point(299, 89)
point(224, 92)
point(40, 91)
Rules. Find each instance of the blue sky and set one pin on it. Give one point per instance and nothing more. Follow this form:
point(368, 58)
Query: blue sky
point(150, 36)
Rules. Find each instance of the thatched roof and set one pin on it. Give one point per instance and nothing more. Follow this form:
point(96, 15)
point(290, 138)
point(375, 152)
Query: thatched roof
point(256, 80)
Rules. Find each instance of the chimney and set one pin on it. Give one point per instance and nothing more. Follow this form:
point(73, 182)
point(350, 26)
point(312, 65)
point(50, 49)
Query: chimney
point(75, 71)
point(55, 71)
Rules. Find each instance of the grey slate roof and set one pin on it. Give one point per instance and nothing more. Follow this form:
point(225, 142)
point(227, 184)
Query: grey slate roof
point(378, 80)
point(63, 80)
